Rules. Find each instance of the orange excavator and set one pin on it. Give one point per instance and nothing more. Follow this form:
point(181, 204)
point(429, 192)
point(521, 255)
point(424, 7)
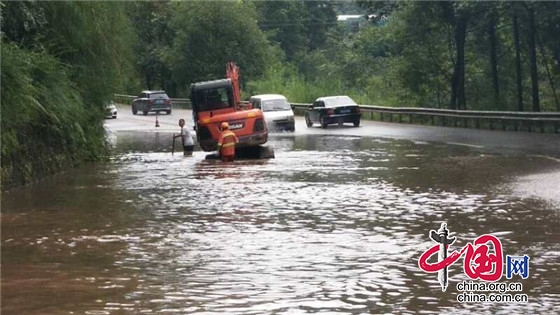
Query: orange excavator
point(217, 101)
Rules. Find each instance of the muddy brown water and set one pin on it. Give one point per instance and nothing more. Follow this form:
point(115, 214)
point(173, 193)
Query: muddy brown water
point(334, 224)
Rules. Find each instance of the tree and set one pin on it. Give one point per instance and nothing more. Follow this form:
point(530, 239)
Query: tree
point(283, 22)
point(532, 32)
point(153, 39)
point(319, 19)
point(518, 73)
point(451, 54)
point(457, 15)
point(61, 61)
point(209, 34)
point(422, 53)
point(297, 26)
point(492, 43)
point(549, 43)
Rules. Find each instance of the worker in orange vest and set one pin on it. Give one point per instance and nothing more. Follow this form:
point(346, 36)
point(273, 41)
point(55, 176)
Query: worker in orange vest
point(226, 143)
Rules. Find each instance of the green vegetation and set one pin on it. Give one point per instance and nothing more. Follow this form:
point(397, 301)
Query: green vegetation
point(445, 54)
point(61, 61)
point(44, 123)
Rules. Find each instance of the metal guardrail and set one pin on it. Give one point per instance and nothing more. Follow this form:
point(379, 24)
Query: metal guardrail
point(529, 121)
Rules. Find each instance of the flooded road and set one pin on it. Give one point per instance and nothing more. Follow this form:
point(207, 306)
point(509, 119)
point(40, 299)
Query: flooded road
point(335, 224)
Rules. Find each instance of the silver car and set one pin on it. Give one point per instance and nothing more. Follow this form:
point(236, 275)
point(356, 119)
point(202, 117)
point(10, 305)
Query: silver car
point(276, 109)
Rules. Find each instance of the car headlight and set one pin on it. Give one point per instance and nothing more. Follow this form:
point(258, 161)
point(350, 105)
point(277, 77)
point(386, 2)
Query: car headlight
point(290, 118)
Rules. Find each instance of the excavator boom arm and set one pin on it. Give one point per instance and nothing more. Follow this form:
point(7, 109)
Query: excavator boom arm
point(232, 73)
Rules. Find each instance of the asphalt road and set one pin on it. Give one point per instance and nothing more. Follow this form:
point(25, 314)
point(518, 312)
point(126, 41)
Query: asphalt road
point(505, 142)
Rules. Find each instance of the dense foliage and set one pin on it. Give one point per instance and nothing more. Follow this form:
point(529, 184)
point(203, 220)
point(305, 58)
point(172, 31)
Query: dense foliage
point(445, 54)
point(61, 61)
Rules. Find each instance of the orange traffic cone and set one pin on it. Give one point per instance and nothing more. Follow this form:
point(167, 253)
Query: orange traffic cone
point(157, 121)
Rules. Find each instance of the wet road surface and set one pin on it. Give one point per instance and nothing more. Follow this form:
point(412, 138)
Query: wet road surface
point(502, 142)
point(335, 224)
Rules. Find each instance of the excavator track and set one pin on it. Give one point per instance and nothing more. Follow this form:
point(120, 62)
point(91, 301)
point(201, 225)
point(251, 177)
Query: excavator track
point(249, 153)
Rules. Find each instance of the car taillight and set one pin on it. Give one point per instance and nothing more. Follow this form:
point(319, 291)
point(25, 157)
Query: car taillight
point(167, 101)
point(330, 112)
point(259, 125)
point(357, 110)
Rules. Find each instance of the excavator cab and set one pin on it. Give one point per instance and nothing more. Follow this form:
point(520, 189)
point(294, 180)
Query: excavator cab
point(212, 97)
point(213, 102)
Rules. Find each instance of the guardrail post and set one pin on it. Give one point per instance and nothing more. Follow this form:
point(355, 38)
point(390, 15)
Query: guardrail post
point(490, 124)
point(400, 118)
point(432, 120)
point(555, 127)
point(371, 115)
point(504, 124)
point(455, 122)
point(381, 115)
point(541, 124)
point(390, 117)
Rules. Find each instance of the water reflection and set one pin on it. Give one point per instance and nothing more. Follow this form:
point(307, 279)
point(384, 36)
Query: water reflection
point(333, 224)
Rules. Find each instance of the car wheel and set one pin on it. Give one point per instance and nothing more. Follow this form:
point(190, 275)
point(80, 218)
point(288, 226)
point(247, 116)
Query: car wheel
point(340, 123)
point(323, 122)
point(356, 123)
point(134, 110)
point(168, 112)
point(308, 121)
point(114, 116)
point(145, 112)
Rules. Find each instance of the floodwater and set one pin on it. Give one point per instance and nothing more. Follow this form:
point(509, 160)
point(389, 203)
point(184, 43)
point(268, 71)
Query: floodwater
point(333, 225)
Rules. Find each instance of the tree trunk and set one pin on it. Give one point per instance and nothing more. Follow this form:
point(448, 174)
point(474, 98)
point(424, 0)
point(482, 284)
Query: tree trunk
point(458, 99)
point(557, 57)
point(533, 61)
point(460, 35)
point(162, 80)
point(517, 63)
point(453, 101)
point(148, 82)
point(494, 60)
point(448, 15)
point(550, 80)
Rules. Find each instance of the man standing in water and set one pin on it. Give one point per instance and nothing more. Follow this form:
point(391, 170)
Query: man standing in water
point(226, 143)
point(187, 139)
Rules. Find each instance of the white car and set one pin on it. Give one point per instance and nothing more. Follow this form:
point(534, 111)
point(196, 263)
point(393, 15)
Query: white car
point(110, 110)
point(276, 109)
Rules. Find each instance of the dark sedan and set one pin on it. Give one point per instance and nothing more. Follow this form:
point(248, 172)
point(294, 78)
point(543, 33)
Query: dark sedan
point(151, 101)
point(333, 110)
